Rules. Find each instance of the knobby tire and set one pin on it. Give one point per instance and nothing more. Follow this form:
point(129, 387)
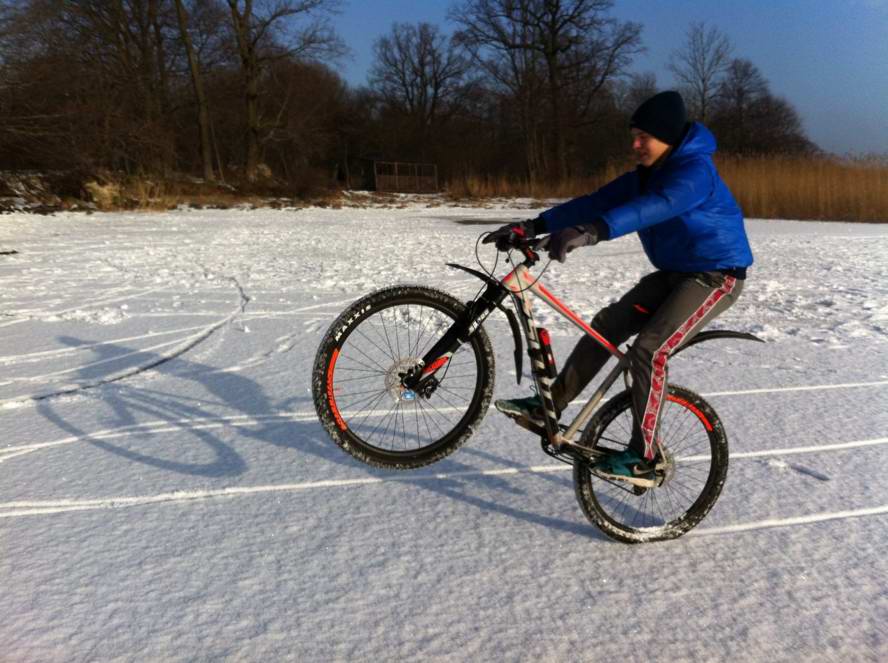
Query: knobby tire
point(356, 388)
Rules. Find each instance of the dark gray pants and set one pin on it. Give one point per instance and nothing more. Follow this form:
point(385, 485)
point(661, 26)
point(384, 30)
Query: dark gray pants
point(665, 309)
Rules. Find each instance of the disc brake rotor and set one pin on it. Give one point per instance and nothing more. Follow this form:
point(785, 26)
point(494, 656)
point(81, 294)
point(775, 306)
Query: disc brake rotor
point(393, 379)
point(666, 466)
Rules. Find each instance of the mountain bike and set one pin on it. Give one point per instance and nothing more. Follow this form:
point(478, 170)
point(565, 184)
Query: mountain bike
point(404, 376)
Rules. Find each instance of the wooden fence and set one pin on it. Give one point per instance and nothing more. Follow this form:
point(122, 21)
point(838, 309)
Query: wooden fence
point(402, 177)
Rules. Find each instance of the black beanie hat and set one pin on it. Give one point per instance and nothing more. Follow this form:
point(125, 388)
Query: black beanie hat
point(663, 116)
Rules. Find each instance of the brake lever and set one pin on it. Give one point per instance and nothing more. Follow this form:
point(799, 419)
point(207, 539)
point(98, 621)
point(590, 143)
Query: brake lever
point(540, 243)
point(530, 247)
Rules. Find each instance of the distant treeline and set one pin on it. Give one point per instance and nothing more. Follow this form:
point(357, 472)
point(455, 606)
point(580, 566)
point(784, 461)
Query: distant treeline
point(246, 90)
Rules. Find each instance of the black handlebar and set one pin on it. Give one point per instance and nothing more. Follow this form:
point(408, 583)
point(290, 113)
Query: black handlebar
point(528, 247)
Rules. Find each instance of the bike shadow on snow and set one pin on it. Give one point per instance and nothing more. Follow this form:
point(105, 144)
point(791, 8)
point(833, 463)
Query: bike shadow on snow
point(131, 405)
point(221, 397)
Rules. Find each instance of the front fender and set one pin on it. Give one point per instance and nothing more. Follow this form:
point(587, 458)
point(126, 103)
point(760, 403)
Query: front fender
point(474, 272)
point(513, 322)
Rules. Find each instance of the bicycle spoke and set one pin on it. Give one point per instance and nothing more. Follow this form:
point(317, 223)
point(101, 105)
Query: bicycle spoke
point(646, 512)
point(357, 405)
point(409, 344)
point(385, 420)
point(369, 410)
point(389, 354)
point(454, 393)
point(381, 370)
point(430, 418)
point(415, 348)
point(378, 412)
point(365, 377)
point(440, 395)
point(388, 339)
point(396, 335)
point(425, 420)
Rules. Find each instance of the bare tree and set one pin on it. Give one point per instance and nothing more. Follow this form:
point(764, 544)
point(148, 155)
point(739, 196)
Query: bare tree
point(61, 53)
point(111, 85)
point(419, 72)
point(203, 109)
point(777, 128)
point(747, 118)
point(499, 44)
point(567, 50)
point(634, 91)
point(270, 30)
point(741, 88)
point(304, 135)
point(742, 84)
point(699, 65)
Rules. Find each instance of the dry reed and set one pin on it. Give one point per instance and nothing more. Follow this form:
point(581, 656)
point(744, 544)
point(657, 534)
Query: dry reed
point(772, 187)
point(798, 188)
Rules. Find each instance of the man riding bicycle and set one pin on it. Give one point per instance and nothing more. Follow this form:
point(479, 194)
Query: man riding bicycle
point(692, 231)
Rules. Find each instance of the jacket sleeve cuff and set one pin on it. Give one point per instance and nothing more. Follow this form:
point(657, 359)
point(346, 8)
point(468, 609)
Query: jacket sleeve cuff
point(601, 228)
point(540, 227)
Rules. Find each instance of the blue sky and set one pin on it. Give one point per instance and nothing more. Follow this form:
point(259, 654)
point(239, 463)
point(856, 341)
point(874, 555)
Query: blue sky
point(828, 57)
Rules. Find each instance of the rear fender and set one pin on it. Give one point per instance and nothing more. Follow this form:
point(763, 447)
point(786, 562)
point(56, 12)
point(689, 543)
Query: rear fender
point(718, 333)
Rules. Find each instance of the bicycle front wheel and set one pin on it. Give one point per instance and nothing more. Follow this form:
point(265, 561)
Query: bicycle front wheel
point(357, 379)
point(695, 447)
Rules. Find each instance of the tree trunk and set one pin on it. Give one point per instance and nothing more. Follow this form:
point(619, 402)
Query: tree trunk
point(160, 55)
point(250, 72)
point(558, 137)
point(203, 111)
point(252, 106)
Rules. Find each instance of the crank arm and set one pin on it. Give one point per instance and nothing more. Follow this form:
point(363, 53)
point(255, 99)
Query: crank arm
point(635, 481)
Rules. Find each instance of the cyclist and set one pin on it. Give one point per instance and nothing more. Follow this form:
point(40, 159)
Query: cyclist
point(692, 231)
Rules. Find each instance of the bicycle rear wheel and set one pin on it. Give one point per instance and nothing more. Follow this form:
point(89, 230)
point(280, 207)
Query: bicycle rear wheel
point(357, 385)
point(696, 465)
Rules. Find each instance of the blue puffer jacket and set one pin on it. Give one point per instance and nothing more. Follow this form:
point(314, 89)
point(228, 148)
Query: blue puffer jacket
point(686, 218)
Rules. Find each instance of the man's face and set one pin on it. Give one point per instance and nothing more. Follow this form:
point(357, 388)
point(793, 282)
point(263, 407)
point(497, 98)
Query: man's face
point(647, 148)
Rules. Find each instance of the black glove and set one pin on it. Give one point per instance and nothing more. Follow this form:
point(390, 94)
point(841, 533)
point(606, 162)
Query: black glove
point(562, 242)
point(506, 236)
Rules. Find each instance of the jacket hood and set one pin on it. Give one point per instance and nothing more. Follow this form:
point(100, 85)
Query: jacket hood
point(699, 140)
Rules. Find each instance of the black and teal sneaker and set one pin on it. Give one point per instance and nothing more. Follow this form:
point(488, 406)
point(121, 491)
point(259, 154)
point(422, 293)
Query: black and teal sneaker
point(530, 408)
point(624, 464)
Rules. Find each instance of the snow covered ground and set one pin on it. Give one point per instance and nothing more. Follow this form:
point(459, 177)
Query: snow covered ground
point(167, 494)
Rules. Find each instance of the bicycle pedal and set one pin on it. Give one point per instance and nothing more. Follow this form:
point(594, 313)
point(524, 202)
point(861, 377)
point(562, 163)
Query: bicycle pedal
point(532, 426)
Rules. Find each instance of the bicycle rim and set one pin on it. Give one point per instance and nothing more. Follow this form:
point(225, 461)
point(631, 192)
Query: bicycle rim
point(366, 379)
point(695, 448)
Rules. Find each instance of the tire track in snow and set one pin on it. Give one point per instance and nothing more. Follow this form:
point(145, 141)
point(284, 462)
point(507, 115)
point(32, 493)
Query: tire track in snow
point(47, 376)
point(11, 360)
point(83, 306)
point(22, 508)
point(167, 426)
point(206, 332)
point(189, 343)
point(777, 390)
point(155, 427)
point(789, 522)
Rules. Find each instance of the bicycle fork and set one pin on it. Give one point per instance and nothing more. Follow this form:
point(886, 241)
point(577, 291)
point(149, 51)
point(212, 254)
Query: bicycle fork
point(421, 378)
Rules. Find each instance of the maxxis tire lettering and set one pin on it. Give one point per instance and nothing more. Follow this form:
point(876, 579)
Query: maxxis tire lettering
point(324, 368)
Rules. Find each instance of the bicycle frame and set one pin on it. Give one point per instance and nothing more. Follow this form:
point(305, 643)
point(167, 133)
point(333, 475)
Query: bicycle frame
point(520, 284)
